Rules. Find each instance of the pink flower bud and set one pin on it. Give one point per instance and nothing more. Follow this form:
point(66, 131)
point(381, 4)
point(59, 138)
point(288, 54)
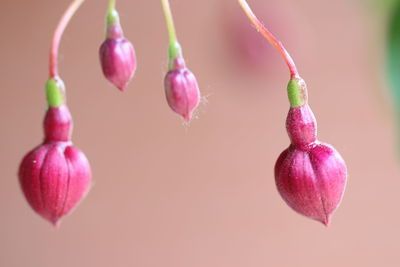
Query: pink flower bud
point(310, 176)
point(181, 89)
point(117, 57)
point(55, 176)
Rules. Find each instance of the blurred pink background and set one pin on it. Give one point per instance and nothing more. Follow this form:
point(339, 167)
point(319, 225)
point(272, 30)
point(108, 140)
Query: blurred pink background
point(171, 195)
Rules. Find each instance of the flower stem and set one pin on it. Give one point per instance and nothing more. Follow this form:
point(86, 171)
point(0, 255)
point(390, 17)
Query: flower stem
point(169, 20)
point(112, 17)
point(73, 7)
point(174, 47)
point(111, 5)
point(271, 38)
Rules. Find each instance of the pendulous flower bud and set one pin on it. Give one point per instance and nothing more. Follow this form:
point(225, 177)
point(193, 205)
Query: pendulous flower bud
point(310, 175)
point(117, 55)
point(55, 176)
point(181, 89)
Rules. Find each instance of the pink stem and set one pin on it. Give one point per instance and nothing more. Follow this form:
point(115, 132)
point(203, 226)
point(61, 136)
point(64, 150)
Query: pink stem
point(271, 38)
point(65, 19)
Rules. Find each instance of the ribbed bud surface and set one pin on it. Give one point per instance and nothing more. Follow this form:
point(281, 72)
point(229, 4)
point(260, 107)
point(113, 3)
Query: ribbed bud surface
point(181, 89)
point(55, 176)
point(117, 58)
point(310, 175)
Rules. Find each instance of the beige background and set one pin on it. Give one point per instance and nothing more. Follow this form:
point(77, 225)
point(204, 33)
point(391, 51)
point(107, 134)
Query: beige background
point(169, 195)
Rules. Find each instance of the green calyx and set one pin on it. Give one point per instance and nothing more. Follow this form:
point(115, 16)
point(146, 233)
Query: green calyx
point(297, 92)
point(174, 52)
point(112, 18)
point(55, 92)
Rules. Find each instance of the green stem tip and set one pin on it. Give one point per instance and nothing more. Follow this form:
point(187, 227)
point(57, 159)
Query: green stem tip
point(297, 92)
point(175, 49)
point(112, 15)
point(55, 92)
point(174, 52)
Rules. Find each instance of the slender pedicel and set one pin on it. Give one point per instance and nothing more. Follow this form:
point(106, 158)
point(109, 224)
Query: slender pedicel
point(181, 88)
point(55, 175)
point(65, 19)
point(270, 37)
point(310, 175)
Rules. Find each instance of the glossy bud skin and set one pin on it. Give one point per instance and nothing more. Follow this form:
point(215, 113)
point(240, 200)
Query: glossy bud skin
point(117, 58)
point(55, 176)
point(181, 89)
point(310, 175)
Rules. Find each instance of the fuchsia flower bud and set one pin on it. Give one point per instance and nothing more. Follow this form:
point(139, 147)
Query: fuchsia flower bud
point(181, 89)
point(310, 175)
point(117, 55)
point(55, 176)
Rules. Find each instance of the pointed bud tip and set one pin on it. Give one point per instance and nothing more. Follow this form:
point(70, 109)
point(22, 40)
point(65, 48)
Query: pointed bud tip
point(56, 223)
point(122, 88)
point(325, 220)
point(187, 117)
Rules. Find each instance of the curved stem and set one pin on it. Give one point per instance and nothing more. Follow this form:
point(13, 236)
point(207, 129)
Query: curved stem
point(271, 38)
point(170, 21)
point(73, 7)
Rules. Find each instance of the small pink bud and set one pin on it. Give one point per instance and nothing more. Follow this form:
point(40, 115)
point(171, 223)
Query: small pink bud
point(310, 175)
point(55, 176)
point(117, 57)
point(181, 89)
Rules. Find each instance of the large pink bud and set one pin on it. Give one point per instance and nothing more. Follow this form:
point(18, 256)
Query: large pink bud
point(55, 176)
point(181, 89)
point(310, 175)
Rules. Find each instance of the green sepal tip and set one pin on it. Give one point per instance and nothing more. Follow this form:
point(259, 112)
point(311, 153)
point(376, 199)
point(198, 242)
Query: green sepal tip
point(54, 92)
point(297, 92)
point(112, 18)
point(174, 52)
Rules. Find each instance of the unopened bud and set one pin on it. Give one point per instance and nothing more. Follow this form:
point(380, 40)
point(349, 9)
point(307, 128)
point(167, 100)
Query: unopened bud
point(310, 175)
point(117, 55)
point(181, 89)
point(55, 176)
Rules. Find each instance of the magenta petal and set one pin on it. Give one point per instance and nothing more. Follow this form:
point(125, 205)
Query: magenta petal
point(79, 178)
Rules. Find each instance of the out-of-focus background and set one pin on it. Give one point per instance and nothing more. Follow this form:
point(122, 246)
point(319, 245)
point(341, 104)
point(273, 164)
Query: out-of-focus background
point(167, 194)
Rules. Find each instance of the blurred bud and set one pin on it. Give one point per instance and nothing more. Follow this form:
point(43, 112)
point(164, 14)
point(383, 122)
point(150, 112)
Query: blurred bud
point(181, 89)
point(55, 176)
point(310, 175)
point(247, 48)
point(117, 55)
